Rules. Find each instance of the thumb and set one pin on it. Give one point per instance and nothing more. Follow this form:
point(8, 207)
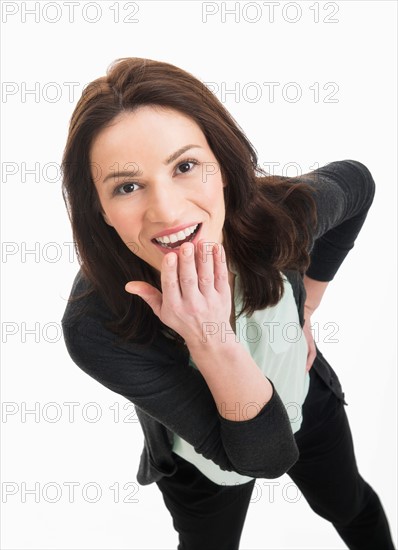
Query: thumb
point(148, 293)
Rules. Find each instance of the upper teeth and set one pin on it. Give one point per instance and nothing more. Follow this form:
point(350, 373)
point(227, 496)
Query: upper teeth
point(181, 235)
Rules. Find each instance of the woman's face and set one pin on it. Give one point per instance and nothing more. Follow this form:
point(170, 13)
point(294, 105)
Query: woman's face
point(156, 175)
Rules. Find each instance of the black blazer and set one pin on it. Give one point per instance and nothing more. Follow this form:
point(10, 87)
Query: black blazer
point(170, 396)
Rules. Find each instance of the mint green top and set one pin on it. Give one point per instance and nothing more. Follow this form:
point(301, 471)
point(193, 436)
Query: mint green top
point(275, 340)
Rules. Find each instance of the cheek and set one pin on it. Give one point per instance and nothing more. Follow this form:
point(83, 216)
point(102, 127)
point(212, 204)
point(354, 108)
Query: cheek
point(123, 220)
point(130, 237)
point(128, 234)
point(217, 195)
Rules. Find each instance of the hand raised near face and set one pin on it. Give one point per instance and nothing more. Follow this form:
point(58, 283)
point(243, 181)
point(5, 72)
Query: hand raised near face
point(195, 290)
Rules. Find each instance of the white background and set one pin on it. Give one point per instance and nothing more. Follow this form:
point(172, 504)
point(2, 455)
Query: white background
point(357, 53)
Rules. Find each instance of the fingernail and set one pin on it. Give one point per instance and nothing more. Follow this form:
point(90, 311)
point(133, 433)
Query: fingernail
point(187, 250)
point(171, 259)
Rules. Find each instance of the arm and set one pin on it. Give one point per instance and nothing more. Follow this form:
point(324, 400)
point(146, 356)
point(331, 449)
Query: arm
point(344, 192)
point(159, 381)
point(314, 292)
point(224, 365)
point(196, 288)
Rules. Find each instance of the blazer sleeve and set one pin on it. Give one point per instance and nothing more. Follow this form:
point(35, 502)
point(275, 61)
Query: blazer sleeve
point(343, 192)
point(160, 382)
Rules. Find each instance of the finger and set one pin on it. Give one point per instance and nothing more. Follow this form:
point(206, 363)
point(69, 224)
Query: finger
point(205, 266)
point(169, 280)
point(221, 271)
point(148, 293)
point(187, 274)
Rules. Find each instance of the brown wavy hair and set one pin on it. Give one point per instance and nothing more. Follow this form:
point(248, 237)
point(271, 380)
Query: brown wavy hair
point(269, 219)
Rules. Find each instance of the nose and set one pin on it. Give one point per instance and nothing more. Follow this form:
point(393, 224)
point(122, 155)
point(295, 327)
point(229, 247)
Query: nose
point(165, 204)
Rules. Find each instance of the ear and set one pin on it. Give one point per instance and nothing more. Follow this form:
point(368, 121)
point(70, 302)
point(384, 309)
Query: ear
point(106, 219)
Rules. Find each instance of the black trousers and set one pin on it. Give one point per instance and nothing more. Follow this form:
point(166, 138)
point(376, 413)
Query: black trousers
point(208, 516)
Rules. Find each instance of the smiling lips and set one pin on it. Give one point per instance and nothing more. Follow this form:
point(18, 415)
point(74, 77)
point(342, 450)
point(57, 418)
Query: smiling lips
point(175, 240)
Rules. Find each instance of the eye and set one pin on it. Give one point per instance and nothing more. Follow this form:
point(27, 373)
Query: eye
point(120, 188)
point(185, 164)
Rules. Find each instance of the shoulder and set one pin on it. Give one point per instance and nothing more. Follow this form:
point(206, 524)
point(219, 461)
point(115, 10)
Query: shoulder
point(348, 166)
point(342, 189)
point(345, 173)
point(86, 332)
point(84, 302)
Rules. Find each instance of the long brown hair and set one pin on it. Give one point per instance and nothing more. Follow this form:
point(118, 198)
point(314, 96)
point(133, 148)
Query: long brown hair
point(269, 219)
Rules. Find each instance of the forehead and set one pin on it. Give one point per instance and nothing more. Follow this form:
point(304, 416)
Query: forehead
point(147, 124)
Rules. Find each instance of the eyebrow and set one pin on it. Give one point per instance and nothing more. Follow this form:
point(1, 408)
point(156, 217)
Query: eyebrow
point(135, 173)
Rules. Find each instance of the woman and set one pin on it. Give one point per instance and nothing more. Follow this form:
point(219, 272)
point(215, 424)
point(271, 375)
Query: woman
point(195, 268)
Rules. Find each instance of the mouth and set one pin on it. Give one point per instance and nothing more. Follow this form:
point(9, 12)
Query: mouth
point(192, 237)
